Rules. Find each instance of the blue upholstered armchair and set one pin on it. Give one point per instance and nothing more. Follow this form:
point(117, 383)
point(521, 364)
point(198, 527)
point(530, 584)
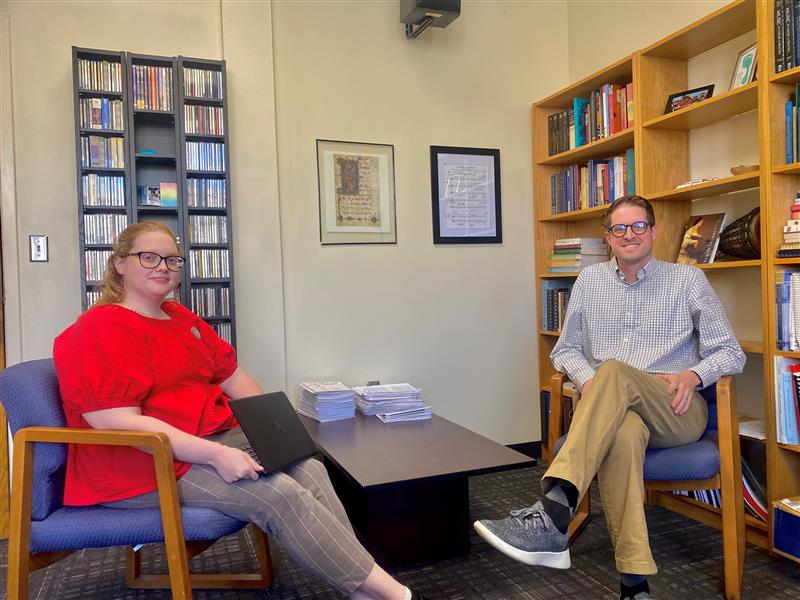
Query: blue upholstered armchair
point(42, 530)
point(712, 462)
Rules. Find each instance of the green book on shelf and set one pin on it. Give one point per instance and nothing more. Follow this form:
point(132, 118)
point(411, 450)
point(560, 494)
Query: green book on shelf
point(169, 193)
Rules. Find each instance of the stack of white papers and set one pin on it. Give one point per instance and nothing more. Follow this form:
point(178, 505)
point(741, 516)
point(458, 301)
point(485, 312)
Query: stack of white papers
point(389, 398)
point(327, 401)
point(412, 414)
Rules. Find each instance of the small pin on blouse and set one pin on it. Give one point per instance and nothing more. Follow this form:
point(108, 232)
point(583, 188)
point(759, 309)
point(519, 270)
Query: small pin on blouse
point(196, 332)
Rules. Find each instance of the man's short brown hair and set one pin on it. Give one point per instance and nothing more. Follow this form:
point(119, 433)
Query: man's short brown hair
point(630, 200)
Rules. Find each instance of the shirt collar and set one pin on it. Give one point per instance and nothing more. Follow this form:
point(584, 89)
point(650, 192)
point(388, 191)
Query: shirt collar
point(647, 271)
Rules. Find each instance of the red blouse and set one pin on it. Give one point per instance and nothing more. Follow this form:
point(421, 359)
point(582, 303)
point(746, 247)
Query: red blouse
point(170, 369)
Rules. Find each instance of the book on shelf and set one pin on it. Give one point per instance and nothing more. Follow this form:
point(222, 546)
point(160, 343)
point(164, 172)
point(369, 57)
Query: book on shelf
point(787, 35)
point(752, 428)
point(593, 183)
point(700, 239)
point(787, 388)
point(169, 193)
point(149, 195)
point(555, 298)
point(787, 310)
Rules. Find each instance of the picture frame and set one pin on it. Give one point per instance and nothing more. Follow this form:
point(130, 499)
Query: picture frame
point(465, 193)
point(681, 100)
point(38, 248)
point(356, 185)
point(744, 71)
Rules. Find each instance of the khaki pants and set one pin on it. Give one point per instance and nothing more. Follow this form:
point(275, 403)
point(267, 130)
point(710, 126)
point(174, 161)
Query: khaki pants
point(622, 413)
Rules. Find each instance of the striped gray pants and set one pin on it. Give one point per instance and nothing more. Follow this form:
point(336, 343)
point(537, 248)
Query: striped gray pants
point(298, 506)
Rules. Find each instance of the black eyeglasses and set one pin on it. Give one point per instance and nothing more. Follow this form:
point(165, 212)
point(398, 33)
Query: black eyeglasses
point(619, 230)
point(151, 260)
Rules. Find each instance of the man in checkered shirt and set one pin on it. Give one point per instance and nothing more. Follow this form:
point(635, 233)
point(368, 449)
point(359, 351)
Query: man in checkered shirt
point(640, 338)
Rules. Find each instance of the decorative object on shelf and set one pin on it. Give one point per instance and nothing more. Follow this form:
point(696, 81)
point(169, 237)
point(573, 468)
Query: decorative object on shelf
point(745, 70)
point(742, 238)
point(356, 193)
point(741, 169)
point(790, 248)
point(465, 191)
point(683, 99)
point(695, 182)
point(700, 239)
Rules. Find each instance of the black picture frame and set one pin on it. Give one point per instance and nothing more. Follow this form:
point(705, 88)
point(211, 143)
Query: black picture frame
point(681, 100)
point(475, 216)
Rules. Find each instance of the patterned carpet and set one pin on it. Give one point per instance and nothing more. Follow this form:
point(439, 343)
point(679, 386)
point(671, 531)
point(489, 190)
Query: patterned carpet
point(689, 557)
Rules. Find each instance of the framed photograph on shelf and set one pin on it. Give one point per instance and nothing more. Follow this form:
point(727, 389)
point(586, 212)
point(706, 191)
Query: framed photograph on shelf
point(687, 98)
point(356, 193)
point(465, 186)
point(745, 70)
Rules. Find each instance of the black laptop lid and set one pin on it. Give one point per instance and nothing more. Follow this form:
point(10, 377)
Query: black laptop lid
point(274, 430)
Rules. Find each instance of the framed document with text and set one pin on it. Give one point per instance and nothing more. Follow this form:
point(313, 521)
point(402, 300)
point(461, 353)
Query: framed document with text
point(465, 185)
point(356, 193)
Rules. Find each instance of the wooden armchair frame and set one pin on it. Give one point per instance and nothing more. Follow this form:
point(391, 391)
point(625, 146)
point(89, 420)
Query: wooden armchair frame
point(730, 519)
point(21, 562)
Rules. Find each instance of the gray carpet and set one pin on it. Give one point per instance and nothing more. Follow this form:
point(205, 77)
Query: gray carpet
point(689, 556)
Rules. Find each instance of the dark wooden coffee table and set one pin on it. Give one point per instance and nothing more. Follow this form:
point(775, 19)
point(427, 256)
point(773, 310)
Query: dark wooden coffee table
point(405, 485)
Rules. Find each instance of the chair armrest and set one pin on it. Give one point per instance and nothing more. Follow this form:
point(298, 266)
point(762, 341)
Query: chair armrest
point(554, 418)
point(22, 475)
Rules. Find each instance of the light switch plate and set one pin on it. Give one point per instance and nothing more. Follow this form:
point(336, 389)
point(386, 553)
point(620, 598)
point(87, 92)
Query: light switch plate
point(39, 248)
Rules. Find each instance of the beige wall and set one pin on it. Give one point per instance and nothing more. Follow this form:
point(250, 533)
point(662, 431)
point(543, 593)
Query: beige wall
point(457, 321)
point(47, 297)
point(602, 32)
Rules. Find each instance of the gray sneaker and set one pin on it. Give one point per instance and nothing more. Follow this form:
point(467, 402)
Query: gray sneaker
point(528, 536)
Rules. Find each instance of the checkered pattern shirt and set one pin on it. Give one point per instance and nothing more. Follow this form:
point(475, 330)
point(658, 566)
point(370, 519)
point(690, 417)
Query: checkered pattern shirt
point(668, 321)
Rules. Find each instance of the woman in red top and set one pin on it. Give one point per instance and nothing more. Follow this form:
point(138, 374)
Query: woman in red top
point(136, 361)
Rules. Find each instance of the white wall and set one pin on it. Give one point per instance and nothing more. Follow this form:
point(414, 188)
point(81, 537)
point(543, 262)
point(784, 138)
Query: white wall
point(456, 321)
point(40, 35)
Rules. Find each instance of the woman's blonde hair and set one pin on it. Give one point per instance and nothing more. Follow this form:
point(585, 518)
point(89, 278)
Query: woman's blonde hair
point(112, 287)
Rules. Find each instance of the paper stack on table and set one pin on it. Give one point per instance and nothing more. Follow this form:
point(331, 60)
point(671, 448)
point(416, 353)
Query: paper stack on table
point(327, 401)
point(391, 398)
point(412, 414)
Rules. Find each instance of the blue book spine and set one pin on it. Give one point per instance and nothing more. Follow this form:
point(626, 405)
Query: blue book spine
point(630, 159)
point(789, 417)
point(104, 120)
point(579, 108)
point(789, 136)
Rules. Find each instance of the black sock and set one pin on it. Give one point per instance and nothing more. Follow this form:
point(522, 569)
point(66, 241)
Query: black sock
point(631, 579)
point(560, 513)
point(631, 591)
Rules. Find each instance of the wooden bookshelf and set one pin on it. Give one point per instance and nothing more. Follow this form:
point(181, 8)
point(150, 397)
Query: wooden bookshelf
point(661, 150)
point(155, 138)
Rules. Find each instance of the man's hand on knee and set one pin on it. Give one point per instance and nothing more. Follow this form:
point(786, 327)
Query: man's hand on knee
point(681, 387)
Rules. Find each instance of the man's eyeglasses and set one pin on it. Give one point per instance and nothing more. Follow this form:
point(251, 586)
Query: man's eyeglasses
point(151, 260)
point(637, 227)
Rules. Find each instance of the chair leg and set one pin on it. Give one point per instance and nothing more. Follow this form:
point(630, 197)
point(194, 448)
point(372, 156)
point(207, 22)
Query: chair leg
point(580, 518)
point(263, 555)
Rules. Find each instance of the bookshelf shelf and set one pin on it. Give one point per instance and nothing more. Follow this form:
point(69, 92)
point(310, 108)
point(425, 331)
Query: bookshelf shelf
point(752, 346)
point(787, 354)
point(557, 275)
point(792, 169)
point(726, 185)
point(790, 447)
point(789, 77)
point(734, 264)
point(577, 215)
point(156, 152)
point(719, 27)
point(552, 333)
point(789, 262)
point(606, 146)
point(715, 109)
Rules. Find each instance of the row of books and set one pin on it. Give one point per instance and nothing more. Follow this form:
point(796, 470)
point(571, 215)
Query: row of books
point(204, 119)
point(787, 34)
point(594, 183)
point(202, 83)
point(103, 228)
point(205, 156)
point(100, 75)
point(606, 111)
point(208, 229)
point(555, 296)
point(102, 152)
point(392, 402)
point(572, 255)
point(94, 264)
point(101, 113)
point(326, 401)
point(224, 330)
point(787, 400)
point(211, 301)
point(152, 87)
point(791, 130)
point(207, 264)
point(204, 193)
point(163, 194)
point(102, 190)
point(787, 299)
